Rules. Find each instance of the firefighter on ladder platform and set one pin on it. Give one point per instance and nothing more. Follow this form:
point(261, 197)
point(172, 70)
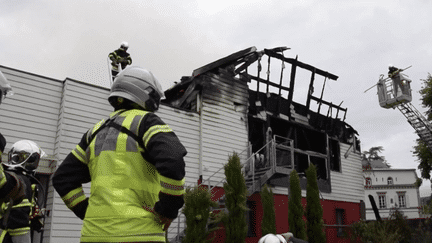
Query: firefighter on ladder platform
point(119, 58)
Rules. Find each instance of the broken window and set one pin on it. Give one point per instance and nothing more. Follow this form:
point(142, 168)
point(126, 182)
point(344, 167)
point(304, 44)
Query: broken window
point(334, 150)
point(256, 133)
point(310, 145)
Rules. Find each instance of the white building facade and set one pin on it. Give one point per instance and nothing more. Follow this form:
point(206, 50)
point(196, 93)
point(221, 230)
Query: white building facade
point(392, 189)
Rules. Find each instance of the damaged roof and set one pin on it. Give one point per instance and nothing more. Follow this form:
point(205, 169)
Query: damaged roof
point(236, 64)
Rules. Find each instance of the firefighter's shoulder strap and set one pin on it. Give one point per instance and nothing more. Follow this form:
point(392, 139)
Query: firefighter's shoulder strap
point(110, 123)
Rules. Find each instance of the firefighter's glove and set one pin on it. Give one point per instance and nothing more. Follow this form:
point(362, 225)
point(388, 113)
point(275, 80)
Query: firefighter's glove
point(164, 221)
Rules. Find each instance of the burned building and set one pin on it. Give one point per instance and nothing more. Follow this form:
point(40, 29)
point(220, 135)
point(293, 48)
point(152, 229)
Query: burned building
point(242, 103)
point(281, 134)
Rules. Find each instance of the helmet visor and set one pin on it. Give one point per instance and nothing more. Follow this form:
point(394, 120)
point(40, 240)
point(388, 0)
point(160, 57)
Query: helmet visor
point(153, 94)
point(18, 157)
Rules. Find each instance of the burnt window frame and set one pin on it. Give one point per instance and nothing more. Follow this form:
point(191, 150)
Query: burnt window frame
point(335, 162)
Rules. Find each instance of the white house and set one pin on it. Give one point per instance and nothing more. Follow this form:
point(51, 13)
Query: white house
point(392, 189)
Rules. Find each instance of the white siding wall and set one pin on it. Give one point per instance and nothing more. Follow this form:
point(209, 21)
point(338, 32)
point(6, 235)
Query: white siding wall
point(82, 106)
point(347, 185)
point(31, 113)
point(224, 128)
point(185, 126)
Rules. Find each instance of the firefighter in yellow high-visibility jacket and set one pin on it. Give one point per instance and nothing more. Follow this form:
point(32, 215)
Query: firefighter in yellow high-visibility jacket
point(135, 164)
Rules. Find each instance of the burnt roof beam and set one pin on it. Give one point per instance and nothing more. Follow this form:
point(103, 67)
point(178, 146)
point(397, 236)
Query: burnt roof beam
point(300, 64)
point(258, 79)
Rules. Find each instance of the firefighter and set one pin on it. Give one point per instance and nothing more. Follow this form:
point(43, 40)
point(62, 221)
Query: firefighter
point(282, 238)
point(12, 187)
point(119, 57)
point(23, 160)
point(394, 74)
point(135, 164)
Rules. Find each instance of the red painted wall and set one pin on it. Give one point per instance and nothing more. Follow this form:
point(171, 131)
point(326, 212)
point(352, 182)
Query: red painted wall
point(352, 214)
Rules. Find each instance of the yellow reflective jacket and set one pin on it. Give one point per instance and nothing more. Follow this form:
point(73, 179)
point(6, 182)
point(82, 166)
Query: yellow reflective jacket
point(126, 178)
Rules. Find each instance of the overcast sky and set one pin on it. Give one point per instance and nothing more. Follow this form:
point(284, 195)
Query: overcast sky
point(355, 40)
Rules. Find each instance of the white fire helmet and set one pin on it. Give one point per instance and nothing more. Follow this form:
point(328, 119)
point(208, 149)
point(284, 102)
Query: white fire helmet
point(24, 154)
point(139, 86)
point(124, 45)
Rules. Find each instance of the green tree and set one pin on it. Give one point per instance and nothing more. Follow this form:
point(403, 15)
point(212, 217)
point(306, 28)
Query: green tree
point(421, 151)
point(235, 195)
point(268, 223)
point(197, 211)
point(373, 154)
point(314, 211)
point(295, 208)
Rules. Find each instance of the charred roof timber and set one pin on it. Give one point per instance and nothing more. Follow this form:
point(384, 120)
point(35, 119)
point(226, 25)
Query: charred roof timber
point(237, 64)
point(225, 89)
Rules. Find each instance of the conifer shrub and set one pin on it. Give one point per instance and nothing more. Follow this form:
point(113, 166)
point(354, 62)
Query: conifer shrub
point(268, 223)
point(314, 211)
point(197, 211)
point(235, 201)
point(295, 208)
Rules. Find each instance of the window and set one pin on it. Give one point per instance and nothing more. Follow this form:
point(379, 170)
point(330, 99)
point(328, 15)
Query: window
point(382, 201)
point(402, 199)
point(340, 220)
point(250, 217)
point(389, 181)
point(368, 181)
point(334, 155)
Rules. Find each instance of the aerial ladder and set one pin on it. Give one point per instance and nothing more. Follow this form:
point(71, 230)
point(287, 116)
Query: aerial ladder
point(394, 91)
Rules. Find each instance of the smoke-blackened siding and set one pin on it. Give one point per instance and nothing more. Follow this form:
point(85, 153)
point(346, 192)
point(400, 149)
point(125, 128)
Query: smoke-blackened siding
point(224, 123)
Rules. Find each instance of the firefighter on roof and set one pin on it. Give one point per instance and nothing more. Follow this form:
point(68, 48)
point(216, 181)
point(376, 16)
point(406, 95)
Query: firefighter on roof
point(23, 159)
point(135, 164)
point(118, 58)
point(12, 187)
